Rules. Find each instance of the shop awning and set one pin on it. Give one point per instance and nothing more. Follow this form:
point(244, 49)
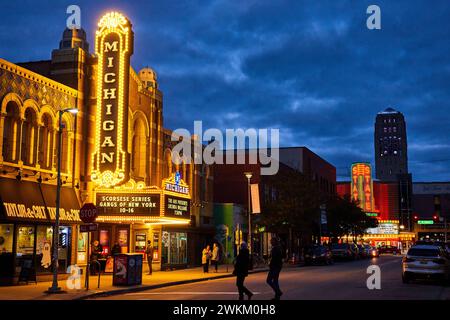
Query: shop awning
point(24, 201)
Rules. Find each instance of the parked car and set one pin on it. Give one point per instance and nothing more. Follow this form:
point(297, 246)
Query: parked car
point(388, 249)
point(343, 251)
point(426, 261)
point(362, 252)
point(372, 252)
point(318, 255)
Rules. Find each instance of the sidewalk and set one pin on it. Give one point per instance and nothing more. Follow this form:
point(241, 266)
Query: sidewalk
point(158, 279)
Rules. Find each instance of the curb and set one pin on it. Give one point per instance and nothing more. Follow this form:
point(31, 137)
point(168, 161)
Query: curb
point(156, 286)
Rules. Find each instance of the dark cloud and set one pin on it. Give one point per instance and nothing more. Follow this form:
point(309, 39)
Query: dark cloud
point(310, 68)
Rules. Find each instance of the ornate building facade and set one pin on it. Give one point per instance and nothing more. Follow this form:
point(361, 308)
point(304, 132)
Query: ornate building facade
point(115, 153)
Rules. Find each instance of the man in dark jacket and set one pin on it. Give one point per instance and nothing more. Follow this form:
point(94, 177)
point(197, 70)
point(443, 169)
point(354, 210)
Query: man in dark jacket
point(149, 253)
point(116, 249)
point(241, 271)
point(276, 263)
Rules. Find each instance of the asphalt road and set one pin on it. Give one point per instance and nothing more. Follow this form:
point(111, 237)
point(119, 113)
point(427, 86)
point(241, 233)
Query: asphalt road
point(343, 280)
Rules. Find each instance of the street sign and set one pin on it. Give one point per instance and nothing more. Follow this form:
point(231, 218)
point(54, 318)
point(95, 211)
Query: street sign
point(425, 222)
point(88, 227)
point(372, 214)
point(88, 213)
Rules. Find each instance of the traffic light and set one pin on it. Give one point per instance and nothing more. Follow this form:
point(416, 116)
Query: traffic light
point(435, 218)
point(415, 218)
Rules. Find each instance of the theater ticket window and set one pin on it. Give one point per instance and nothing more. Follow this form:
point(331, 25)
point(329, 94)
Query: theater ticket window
point(6, 238)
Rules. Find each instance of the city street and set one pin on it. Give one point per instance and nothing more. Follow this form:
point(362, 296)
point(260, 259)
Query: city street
point(343, 280)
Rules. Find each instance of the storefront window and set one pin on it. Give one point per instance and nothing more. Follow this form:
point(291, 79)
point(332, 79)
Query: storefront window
point(140, 242)
point(6, 238)
point(43, 248)
point(104, 241)
point(25, 240)
point(25, 245)
point(122, 239)
point(63, 248)
point(82, 245)
point(174, 248)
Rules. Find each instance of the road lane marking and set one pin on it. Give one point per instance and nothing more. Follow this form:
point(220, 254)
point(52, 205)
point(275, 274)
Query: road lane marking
point(187, 292)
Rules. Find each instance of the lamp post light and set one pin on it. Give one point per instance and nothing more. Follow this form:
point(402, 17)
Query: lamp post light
point(248, 175)
point(54, 288)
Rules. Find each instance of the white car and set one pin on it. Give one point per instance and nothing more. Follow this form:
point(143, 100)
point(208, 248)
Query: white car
point(426, 261)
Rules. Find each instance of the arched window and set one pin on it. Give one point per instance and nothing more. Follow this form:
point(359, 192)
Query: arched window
point(139, 149)
point(46, 142)
point(65, 148)
point(11, 133)
point(29, 137)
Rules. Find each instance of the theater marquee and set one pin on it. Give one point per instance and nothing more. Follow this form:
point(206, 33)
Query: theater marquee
point(113, 47)
point(128, 203)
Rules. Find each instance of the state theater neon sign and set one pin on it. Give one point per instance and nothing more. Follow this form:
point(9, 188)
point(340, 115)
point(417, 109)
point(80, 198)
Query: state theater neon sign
point(113, 47)
point(361, 185)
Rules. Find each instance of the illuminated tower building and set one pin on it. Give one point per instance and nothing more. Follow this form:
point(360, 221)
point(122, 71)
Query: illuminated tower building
point(391, 158)
point(391, 150)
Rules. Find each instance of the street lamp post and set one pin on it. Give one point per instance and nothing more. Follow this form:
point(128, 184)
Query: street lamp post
point(54, 288)
point(248, 175)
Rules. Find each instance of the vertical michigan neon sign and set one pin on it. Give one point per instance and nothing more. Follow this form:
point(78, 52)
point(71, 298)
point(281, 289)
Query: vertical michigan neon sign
point(113, 47)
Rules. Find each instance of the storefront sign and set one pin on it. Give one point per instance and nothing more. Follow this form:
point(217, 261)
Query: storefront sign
point(128, 203)
point(36, 212)
point(177, 207)
point(113, 46)
point(29, 199)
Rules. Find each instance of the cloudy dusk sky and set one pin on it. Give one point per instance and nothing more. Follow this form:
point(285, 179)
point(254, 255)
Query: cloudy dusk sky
point(310, 68)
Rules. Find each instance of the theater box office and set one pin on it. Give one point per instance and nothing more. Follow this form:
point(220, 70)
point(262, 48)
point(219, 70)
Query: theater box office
point(27, 215)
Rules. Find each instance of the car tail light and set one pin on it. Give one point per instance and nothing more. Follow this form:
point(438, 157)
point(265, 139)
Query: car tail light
point(439, 261)
point(406, 259)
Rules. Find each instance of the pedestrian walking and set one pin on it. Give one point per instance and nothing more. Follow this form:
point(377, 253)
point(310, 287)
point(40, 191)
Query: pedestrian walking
point(241, 271)
point(276, 263)
point(149, 253)
point(206, 256)
point(215, 256)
